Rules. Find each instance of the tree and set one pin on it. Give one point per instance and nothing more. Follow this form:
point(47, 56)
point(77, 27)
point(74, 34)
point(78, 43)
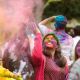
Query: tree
point(69, 8)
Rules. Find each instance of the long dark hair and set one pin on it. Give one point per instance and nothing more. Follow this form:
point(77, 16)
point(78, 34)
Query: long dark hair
point(58, 58)
point(76, 53)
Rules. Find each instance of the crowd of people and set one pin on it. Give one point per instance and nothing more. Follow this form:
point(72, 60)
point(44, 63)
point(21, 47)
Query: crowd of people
point(55, 54)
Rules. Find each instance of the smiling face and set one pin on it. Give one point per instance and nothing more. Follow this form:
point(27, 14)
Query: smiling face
point(50, 45)
point(50, 42)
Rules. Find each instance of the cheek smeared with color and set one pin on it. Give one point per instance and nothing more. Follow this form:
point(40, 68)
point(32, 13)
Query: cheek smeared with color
point(50, 42)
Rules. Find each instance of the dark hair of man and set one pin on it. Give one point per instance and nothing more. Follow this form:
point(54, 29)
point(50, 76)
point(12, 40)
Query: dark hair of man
point(77, 30)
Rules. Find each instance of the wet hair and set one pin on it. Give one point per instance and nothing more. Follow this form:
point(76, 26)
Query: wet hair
point(58, 58)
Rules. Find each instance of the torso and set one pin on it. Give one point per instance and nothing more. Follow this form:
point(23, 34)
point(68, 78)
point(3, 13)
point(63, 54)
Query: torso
point(52, 71)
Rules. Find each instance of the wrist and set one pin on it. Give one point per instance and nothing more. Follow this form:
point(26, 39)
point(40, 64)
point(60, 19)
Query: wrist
point(51, 18)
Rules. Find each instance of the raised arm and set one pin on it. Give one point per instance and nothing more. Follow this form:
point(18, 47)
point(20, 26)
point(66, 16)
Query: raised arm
point(42, 25)
point(45, 21)
point(37, 49)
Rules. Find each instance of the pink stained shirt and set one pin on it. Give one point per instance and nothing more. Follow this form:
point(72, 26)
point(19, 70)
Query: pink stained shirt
point(39, 63)
point(38, 59)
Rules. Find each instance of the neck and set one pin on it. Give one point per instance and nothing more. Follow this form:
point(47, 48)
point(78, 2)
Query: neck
point(52, 55)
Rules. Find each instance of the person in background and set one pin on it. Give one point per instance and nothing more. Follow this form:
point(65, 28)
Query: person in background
point(74, 73)
point(47, 61)
point(76, 39)
point(71, 32)
point(5, 74)
point(65, 40)
point(77, 31)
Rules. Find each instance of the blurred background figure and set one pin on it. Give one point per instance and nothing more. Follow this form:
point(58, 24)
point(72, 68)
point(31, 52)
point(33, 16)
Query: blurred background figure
point(77, 31)
point(5, 74)
point(76, 39)
point(74, 73)
point(70, 32)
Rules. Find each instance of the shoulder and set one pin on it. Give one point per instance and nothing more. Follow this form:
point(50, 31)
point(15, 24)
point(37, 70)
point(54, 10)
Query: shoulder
point(76, 67)
point(75, 41)
point(74, 73)
point(77, 38)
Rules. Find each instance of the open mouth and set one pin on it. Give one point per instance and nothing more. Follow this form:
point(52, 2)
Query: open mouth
point(49, 45)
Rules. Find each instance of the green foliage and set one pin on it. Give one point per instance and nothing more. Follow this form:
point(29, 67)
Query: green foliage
point(69, 8)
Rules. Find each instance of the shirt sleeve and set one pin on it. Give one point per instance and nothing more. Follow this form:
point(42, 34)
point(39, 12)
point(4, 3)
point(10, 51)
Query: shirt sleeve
point(44, 30)
point(37, 55)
